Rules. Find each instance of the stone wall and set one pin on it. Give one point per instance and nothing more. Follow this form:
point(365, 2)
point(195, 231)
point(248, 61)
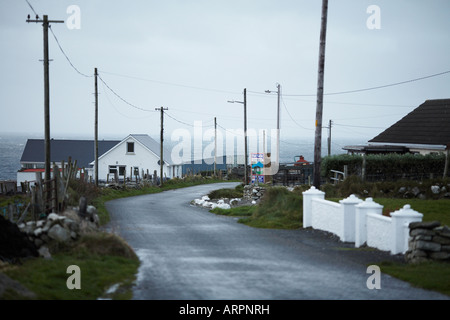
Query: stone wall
point(428, 241)
point(57, 228)
point(253, 193)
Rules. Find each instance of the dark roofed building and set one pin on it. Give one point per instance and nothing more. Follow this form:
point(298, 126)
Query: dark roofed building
point(424, 130)
point(428, 124)
point(81, 151)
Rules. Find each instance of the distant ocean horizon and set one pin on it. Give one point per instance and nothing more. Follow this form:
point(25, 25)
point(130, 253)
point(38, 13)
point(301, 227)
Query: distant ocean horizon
point(13, 144)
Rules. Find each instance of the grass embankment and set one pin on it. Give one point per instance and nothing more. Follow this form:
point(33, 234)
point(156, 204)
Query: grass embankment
point(283, 209)
point(105, 260)
point(279, 208)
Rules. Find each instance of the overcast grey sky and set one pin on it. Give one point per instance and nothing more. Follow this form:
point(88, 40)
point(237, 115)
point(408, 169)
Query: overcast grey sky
point(194, 56)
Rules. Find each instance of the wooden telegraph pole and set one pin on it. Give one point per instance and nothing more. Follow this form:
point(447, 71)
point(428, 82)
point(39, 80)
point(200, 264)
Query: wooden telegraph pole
point(319, 108)
point(215, 147)
point(45, 25)
point(161, 161)
point(96, 128)
point(245, 133)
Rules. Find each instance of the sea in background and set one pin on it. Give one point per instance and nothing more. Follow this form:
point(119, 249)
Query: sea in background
point(13, 144)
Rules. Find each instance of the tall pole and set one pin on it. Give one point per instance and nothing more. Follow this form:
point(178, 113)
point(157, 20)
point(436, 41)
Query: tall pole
point(96, 128)
point(319, 108)
point(46, 105)
point(329, 137)
point(161, 161)
point(278, 106)
point(245, 133)
point(45, 25)
point(215, 146)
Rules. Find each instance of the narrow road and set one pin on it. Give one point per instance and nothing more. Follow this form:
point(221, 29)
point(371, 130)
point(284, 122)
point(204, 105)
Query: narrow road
point(189, 253)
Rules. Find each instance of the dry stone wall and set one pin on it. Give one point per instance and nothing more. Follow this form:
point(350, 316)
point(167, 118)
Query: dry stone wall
point(64, 227)
point(428, 241)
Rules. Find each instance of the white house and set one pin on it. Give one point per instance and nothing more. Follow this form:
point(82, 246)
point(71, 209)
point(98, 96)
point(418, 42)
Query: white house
point(136, 155)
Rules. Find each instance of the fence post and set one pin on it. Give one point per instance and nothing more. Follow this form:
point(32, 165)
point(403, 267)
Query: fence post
point(400, 234)
point(307, 204)
point(362, 209)
point(348, 217)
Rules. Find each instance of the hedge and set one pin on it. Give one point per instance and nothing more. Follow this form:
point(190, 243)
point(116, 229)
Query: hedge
point(387, 166)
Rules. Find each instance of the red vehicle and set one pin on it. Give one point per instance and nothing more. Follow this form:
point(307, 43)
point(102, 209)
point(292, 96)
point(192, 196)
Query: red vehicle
point(300, 161)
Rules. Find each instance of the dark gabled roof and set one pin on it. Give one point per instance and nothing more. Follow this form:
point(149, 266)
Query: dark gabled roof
point(427, 124)
point(60, 150)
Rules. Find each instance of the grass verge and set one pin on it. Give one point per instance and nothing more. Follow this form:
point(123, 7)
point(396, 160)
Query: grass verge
point(433, 276)
point(104, 260)
point(279, 209)
point(282, 209)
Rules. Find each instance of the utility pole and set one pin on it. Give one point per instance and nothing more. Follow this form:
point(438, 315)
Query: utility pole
point(215, 147)
point(319, 108)
point(45, 25)
point(96, 128)
point(161, 161)
point(329, 137)
point(278, 122)
point(245, 133)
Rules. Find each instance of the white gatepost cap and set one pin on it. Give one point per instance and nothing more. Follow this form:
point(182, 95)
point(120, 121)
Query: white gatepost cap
point(369, 203)
point(313, 190)
point(406, 212)
point(351, 200)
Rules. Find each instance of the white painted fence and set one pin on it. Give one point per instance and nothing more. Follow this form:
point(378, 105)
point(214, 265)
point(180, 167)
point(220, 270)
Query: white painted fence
point(358, 221)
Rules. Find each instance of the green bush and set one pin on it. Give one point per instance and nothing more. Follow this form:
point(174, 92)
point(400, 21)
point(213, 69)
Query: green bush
point(386, 166)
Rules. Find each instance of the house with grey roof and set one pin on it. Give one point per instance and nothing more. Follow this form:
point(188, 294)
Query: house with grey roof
point(129, 158)
point(136, 155)
point(424, 130)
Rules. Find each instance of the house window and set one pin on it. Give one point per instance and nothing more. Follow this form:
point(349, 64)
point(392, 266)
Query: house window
point(112, 169)
point(130, 147)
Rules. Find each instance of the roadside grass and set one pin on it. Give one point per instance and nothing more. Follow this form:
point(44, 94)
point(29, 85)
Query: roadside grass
point(282, 209)
point(432, 210)
point(433, 276)
point(242, 211)
point(279, 209)
point(237, 192)
point(104, 260)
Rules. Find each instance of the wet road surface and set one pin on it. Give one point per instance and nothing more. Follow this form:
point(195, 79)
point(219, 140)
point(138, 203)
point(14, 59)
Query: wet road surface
point(188, 253)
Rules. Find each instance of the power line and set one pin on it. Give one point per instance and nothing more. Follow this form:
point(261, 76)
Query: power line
point(352, 126)
point(65, 55)
point(285, 107)
point(171, 83)
point(372, 88)
point(118, 96)
point(29, 4)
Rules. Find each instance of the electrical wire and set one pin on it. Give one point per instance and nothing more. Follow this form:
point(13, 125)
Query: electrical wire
point(125, 101)
point(29, 4)
point(285, 107)
point(65, 55)
point(170, 83)
point(372, 88)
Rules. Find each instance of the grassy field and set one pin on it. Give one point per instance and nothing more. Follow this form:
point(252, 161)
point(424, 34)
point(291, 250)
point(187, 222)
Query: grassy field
point(104, 260)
